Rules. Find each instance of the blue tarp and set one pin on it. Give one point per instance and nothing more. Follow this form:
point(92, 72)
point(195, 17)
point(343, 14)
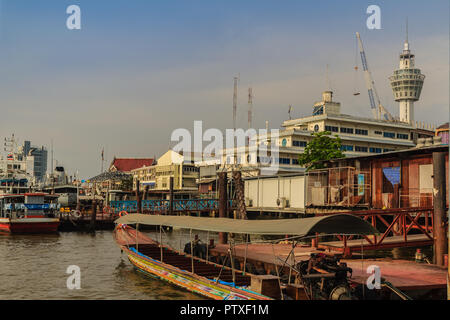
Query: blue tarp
point(392, 174)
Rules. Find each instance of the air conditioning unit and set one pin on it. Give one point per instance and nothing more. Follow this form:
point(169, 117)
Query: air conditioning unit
point(248, 202)
point(283, 202)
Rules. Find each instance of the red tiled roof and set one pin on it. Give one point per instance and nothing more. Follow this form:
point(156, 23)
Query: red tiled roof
point(128, 164)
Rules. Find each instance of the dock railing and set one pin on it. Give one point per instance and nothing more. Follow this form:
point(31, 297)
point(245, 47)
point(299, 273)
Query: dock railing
point(162, 206)
point(394, 225)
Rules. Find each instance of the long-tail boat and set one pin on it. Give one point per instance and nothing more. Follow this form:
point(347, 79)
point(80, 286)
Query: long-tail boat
point(206, 278)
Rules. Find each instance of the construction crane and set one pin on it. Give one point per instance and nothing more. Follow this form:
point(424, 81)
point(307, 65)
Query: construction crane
point(377, 108)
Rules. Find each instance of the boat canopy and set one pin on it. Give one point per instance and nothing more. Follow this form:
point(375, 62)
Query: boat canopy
point(332, 224)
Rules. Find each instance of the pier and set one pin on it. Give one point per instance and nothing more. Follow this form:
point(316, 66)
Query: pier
point(419, 278)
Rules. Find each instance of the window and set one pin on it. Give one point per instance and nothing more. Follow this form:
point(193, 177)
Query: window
point(346, 148)
point(389, 135)
point(360, 149)
point(362, 132)
point(346, 130)
point(299, 143)
point(402, 136)
point(375, 150)
point(285, 161)
point(331, 128)
point(388, 150)
point(295, 161)
point(316, 128)
point(378, 132)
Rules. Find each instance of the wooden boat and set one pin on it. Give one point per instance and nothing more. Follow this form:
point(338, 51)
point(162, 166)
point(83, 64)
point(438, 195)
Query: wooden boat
point(176, 268)
point(209, 279)
point(27, 213)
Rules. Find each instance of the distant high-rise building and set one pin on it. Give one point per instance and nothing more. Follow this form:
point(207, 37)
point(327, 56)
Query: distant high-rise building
point(36, 158)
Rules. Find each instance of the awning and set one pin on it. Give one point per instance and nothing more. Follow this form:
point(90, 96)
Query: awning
point(332, 224)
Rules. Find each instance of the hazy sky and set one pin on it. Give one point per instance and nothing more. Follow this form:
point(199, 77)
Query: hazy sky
point(137, 70)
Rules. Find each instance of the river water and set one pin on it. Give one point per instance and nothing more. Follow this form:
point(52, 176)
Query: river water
point(34, 267)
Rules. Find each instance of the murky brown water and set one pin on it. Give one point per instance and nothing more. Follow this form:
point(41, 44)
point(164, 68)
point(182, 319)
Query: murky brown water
point(34, 267)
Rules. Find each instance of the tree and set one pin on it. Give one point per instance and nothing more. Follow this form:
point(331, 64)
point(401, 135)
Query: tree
point(321, 147)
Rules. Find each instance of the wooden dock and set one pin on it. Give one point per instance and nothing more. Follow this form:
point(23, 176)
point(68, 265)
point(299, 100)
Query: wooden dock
point(403, 274)
point(358, 245)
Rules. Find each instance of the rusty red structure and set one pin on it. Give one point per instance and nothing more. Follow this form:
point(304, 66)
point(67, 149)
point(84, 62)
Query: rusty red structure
point(398, 179)
point(398, 200)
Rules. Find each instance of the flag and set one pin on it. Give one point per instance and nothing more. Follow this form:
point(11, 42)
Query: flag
point(103, 151)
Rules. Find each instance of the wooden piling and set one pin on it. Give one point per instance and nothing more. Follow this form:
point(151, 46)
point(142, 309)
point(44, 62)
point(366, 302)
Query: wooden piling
point(138, 197)
point(94, 211)
point(171, 196)
point(223, 203)
point(240, 195)
point(439, 214)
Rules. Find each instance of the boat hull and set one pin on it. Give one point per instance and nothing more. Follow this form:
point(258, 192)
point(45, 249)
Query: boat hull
point(29, 225)
point(187, 280)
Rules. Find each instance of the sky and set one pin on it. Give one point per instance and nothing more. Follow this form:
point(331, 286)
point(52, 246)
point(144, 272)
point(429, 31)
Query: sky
point(139, 69)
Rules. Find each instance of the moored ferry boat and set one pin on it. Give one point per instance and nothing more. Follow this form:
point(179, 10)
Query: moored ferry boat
point(28, 213)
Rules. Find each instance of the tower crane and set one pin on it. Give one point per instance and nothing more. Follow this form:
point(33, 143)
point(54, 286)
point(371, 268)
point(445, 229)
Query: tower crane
point(377, 108)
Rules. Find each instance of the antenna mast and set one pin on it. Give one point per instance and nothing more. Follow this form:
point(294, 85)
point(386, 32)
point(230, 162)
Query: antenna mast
point(250, 107)
point(235, 102)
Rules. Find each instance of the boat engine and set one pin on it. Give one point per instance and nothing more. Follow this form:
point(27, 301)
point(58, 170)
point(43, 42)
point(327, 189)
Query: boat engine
point(326, 278)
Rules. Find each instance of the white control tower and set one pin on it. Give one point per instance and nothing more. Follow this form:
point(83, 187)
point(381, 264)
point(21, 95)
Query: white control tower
point(407, 83)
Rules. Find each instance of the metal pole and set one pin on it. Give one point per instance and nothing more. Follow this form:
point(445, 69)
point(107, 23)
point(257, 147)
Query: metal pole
point(192, 250)
point(245, 256)
point(232, 262)
point(137, 243)
point(160, 242)
point(440, 241)
point(207, 245)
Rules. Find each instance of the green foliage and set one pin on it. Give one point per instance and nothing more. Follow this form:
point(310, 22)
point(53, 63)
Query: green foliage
point(321, 147)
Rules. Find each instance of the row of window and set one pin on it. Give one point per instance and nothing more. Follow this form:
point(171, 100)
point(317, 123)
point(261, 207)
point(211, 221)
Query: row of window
point(364, 149)
point(299, 143)
point(364, 132)
point(416, 94)
point(346, 130)
point(392, 135)
point(331, 128)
